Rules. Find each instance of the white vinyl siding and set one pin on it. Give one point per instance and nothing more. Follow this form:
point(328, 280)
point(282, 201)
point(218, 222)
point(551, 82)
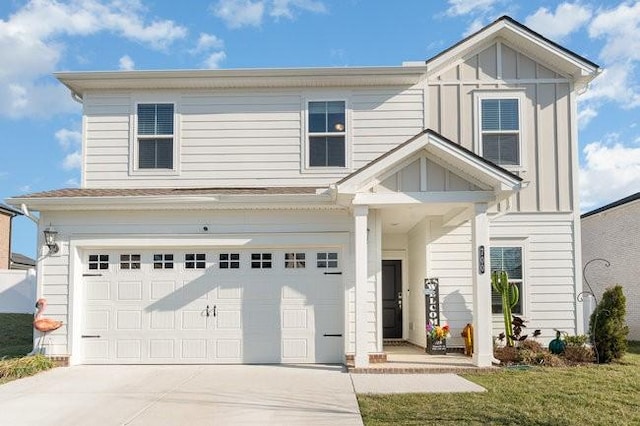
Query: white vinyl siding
point(243, 138)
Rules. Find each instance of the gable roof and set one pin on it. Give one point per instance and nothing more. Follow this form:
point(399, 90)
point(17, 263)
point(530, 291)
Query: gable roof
point(620, 202)
point(441, 147)
point(524, 39)
point(22, 260)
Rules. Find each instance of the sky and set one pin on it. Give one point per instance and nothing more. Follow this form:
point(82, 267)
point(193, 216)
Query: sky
point(40, 123)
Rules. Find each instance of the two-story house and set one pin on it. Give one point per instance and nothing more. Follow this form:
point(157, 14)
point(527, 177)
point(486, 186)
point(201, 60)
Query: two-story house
point(293, 215)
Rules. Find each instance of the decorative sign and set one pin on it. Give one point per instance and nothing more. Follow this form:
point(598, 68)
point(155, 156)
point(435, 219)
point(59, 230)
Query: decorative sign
point(481, 260)
point(432, 300)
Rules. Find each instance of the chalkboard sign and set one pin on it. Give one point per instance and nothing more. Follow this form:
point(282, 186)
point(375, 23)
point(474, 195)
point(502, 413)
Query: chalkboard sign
point(432, 300)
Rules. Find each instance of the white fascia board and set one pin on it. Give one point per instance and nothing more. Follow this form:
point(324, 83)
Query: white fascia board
point(500, 180)
point(295, 201)
point(408, 198)
point(79, 82)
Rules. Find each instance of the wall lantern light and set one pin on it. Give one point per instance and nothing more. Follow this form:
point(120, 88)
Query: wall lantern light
point(50, 236)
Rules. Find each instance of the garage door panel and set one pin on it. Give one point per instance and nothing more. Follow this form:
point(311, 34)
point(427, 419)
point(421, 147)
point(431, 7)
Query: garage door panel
point(274, 314)
point(129, 290)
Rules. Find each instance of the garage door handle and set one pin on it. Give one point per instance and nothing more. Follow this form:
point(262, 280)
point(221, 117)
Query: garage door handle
point(332, 335)
point(90, 336)
point(333, 273)
point(91, 275)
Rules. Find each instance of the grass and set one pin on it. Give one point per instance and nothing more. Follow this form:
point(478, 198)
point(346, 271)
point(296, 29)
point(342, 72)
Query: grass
point(16, 340)
point(584, 395)
point(16, 335)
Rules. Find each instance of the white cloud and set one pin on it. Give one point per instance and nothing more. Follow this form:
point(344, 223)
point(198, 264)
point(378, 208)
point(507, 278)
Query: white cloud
point(72, 182)
point(126, 63)
point(69, 139)
point(585, 115)
point(213, 60)
point(250, 13)
point(34, 38)
point(611, 171)
point(567, 18)
point(464, 7)
point(285, 8)
point(620, 27)
point(239, 13)
point(207, 42)
point(72, 161)
point(475, 26)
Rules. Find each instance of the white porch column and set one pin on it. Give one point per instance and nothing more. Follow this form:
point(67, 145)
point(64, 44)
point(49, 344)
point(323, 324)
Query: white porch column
point(361, 266)
point(482, 328)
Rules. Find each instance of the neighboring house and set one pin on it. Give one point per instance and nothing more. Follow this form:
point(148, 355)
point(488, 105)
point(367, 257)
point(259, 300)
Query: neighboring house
point(293, 215)
point(17, 272)
point(612, 233)
point(6, 216)
point(21, 262)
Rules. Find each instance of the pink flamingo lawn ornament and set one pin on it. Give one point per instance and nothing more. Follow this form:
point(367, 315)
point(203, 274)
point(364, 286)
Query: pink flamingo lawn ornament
point(44, 325)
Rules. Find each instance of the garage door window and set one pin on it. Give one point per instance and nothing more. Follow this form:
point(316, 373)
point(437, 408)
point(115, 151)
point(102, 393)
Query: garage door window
point(129, 261)
point(327, 260)
point(98, 261)
point(162, 261)
point(229, 260)
point(261, 260)
point(195, 261)
point(294, 260)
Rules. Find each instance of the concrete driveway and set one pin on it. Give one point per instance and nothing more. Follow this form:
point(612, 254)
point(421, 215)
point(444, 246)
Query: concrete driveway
point(182, 395)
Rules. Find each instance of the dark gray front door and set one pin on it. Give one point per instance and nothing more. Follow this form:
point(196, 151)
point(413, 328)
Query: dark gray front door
point(392, 299)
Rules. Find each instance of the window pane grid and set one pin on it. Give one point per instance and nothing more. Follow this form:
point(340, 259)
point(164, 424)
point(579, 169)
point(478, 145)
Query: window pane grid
point(195, 261)
point(129, 261)
point(295, 260)
point(326, 124)
point(155, 136)
point(500, 129)
point(229, 261)
point(507, 259)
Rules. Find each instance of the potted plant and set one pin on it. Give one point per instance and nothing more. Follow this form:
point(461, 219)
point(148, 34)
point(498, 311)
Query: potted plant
point(437, 339)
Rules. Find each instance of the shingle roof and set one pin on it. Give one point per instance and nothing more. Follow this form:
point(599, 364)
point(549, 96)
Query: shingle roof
point(151, 192)
point(21, 259)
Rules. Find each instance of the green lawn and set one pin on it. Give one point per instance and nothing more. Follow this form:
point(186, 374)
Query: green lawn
point(587, 395)
point(16, 335)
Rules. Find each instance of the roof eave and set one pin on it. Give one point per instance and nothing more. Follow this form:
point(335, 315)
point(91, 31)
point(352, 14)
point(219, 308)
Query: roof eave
point(222, 201)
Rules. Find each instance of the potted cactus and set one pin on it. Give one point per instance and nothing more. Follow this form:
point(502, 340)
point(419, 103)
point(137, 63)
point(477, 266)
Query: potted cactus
point(510, 295)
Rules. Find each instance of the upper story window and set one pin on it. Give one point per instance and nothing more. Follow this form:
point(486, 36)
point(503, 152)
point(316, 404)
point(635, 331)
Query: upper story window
point(326, 134)
point(500, 132)
point(155, 136)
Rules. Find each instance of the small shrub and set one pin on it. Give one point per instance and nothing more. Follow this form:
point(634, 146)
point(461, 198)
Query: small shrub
point(579, 354)
point(579, 340)
point(17, 368)
point(608, 324)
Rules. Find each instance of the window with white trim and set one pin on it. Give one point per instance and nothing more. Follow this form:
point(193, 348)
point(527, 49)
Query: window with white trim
point(500, 130)
point(326, 126)
point(261, 260)
point(163, 261)
point(229, 261)
point(295, 260)
point(98, 261)
point(327, 260)
point(129, 261)
point(195, 260)
point(155, 136)
point(509, 259)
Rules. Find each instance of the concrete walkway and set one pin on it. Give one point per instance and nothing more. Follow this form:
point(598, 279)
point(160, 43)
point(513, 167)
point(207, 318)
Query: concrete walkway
point(182, 395)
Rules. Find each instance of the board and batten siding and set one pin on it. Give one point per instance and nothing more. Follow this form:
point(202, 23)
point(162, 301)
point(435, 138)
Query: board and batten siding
point(55, 278)
point(546, 112)
point(549, 296)
point(242, 138)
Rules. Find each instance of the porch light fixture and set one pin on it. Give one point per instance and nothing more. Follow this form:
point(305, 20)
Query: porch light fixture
point(50, 236)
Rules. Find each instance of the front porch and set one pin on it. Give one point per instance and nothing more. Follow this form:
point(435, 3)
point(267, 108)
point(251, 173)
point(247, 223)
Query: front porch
point(406, 358)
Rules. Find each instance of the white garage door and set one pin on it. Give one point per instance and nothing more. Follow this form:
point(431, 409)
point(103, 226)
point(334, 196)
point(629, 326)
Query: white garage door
point(169, 306)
